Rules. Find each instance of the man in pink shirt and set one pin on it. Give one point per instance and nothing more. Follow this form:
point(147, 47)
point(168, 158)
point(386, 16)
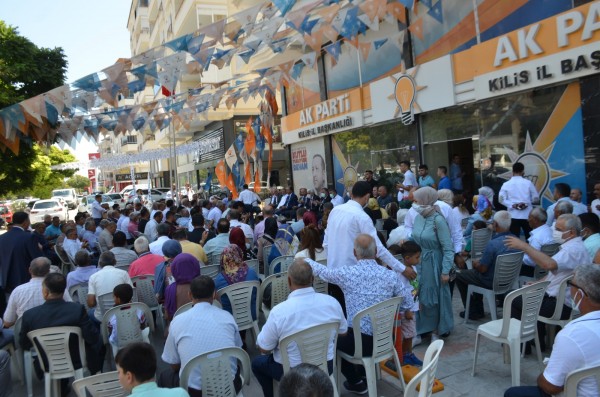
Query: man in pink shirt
point(146, 262)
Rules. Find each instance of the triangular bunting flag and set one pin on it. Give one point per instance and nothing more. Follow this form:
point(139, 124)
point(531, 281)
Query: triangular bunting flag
point(436, 12)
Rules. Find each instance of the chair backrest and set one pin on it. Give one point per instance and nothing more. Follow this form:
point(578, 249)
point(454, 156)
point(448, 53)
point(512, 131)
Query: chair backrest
point(312, 343)
point(382, 317)
point(320, 285)
point(550, 249)
point(240, 298)
point(214, 258)
point(479, 239)
point(101, 385)
point(574, 377)
point(279, 288)
point(539, 273)
point(210, 271)
point(105, 302)
point(506, 271)
point(215, 367)
point(426, 375)
point(379, 224)
point(144, 286)
point(532, 296)
point(266, 253)
point(79, 293)
point(283, 262)
point(54, 342)
point(560, 299)
point(253, 264)
point(128, 323)
point(17, 332)
point(183, 308)
point(66, 262)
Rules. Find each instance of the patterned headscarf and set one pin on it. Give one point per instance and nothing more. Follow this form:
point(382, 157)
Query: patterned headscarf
point(233, 267)
point(484, 202)
point(286, 241)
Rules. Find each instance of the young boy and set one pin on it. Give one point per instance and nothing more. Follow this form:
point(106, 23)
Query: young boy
point(122, 294)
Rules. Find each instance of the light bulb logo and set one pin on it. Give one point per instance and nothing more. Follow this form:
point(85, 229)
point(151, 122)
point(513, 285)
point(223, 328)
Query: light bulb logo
point(405, 93)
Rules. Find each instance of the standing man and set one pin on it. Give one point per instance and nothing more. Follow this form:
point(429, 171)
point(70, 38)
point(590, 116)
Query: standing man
point(576, 195)
point(250, 200)
point(97, 209)
point(518, 195)
point(445, 182)
point(456, 174)
point(18, 250)
point(424, 178)
point(595, 206)
point(409, 181)
point(369, 178)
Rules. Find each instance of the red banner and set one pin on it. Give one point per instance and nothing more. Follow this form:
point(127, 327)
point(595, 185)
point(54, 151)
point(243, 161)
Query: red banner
point(92, 173)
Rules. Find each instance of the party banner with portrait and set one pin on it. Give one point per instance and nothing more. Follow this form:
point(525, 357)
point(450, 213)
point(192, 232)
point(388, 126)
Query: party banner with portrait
point(308, 165)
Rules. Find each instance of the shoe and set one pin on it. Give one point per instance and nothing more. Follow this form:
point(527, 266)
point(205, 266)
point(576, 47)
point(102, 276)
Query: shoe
point(434, 337)
point(411, 359)
point(357, 388)
point(472, 315)
point(416, 341)
point(447, 334)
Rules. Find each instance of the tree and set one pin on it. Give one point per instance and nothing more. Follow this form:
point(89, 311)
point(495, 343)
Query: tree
point(79, 182)
point(26, 71)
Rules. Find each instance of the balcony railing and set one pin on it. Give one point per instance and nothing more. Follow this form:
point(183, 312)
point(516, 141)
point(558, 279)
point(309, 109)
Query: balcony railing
point(129, 140)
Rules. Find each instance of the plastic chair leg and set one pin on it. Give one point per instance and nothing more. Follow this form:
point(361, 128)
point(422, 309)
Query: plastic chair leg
point(334, 383)
point(475, 353)
point(371, 377)
point(538, 351)
point(468, 305)
point(338, 369)
point(515, 362)
point(399, 371)
point(28, 367)
point(491, 300)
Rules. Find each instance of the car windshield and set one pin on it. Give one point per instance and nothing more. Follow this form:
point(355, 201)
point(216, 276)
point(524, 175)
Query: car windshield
point(46, 205)
point(105, 199)
point(3, 210)
point(114, 196)
point(61, 192)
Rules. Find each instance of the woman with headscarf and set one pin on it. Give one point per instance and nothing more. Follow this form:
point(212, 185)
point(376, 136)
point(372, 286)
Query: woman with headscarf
point(484, 209)
point(184, 268)
point(237, 237)
point(431, 232)
point(234, 270)
point(309, 218)
point(399, 234)
point(268, 238)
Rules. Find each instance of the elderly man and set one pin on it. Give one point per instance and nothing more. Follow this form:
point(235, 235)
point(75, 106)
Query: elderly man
point(215, 213)
point(103, 282)
point(364, 285)
point(201, 329)
point(28, 295)
point(560, 208)
point(234, 221)
point(595, 206)
point(383, 197)
point(83, 270)
point(562, 193)
point(89, 235)
point(576, 195)
point(517, 195)
point(152, 225)
point(162, 232)
point(577, 345)
point(146, 262)
point(105, 239)
point(304, 308)
point(216, 245)
point(560, 266)
point(541, 234)
point(123, 255)
point(482, 273)
point(71, 244)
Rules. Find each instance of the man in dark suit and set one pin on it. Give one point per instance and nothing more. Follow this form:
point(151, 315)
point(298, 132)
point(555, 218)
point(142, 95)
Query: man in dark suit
point(18, 250)
point(275, 197)
point(55, 312)
point(288, 209)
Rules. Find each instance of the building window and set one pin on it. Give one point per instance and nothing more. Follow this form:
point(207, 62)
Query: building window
point(210, 14)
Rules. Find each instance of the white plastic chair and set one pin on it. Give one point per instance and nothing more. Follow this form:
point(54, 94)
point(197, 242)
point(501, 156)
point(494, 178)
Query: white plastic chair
point(253, 264)
point(479, 239)
point(240, 299)
point(513, 332)
point(424, 379)
point(313, 344)
point(79, 293)
point(538, 272)
point(144, 286)
point(54, 343)
point(101, 385)
point(382, 317)
point(214, 259)
point(215, 367)
point(320, 285)
point(105, 302)
point(554, 320)
point(283, 262)
point(279, 290)
point(128, 324)
point(506, 273)
point(25, 358)
point(183, 309)
point(211, 271)
point(266, 253)
point(65, 260)
point(574, 377)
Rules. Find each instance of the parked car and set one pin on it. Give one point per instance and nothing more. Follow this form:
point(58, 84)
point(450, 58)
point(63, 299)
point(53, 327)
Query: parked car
point(118, 199)
point(68, 195)
point(51, 207)
point(5, 214)
point(86, 202)
point(155, 195)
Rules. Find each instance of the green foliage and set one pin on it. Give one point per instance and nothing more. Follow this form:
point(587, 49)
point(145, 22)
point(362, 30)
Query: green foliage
point(19, 205)
point(78, 182)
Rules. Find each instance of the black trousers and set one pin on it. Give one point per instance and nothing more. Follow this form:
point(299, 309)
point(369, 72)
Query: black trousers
point(345, 343)
point(467, 277)
point(336, 292)
point(546, 310)
point(517, 224)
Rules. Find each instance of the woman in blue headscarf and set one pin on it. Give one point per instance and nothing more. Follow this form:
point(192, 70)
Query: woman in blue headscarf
point(484, 209)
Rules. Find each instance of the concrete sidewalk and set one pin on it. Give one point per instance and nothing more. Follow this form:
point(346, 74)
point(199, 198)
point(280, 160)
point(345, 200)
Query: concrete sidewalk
point(454, 369)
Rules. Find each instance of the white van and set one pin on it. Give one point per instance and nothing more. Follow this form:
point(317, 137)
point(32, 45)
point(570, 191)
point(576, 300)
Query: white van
point(68, 196)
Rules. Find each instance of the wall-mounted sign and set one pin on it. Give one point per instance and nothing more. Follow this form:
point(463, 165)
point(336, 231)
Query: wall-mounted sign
point(127, 177)
point(337, 114)
point(92, 173)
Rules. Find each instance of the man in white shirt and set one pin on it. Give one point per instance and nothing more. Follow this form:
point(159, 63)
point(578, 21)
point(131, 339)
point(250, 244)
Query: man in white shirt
point(250, 200)
point(162, 231)
point(105, 238)
point(234, 221)
point(576, 195)
point(541, 234)
point(304, 308)
point(560, 266)
point(410, 181)
point(595, 206)
point(577, 345)
point(201, 329)
point(151, 226)
point(97, 209)
point(518, 195)
point(172, 194)
point(29, 295)
point(103, 282)
point(336, 199)
point(71, 244)
point(215, 214)
point(562, 193)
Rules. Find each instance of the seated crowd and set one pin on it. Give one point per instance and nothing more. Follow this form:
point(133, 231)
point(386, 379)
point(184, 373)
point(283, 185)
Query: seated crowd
point(367, 244)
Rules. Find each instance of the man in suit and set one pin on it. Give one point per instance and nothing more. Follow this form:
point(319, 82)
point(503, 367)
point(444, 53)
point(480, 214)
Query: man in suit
point(55, 312)
point(18, 250)
point(288, 208)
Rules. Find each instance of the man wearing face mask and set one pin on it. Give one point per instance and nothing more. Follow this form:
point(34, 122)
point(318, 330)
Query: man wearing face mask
point(345, 223)
point(336, 199)
point(590, 224)
point(577, 345)
point(572, 253)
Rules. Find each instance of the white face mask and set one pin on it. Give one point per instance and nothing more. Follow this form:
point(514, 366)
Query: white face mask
point(557, 235)
point(332, 195)
point(420, 208)
point(574, 305)
point(322, 195)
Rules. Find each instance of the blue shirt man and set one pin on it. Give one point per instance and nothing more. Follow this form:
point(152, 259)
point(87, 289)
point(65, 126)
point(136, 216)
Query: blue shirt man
point(424, 178)
point(445, 182)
